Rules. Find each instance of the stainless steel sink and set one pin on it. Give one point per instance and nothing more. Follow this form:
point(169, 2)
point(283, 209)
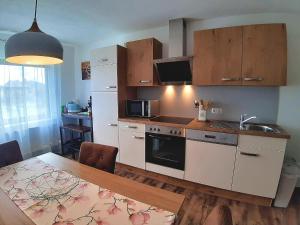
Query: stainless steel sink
point(257, 127)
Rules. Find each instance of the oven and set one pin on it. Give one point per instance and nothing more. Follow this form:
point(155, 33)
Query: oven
point(165, 146)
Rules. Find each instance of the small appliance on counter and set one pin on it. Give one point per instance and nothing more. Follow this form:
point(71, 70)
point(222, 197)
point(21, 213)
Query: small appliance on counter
point(203, 106)
point(142, 108)
point(73, 107)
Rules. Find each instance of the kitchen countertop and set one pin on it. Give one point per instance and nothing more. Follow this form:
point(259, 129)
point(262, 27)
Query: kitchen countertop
point(206, 126)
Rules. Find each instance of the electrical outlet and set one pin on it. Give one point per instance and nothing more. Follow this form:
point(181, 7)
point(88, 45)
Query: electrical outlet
point(216, 110)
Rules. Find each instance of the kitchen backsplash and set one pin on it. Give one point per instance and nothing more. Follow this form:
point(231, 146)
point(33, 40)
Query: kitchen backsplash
point(179, 101)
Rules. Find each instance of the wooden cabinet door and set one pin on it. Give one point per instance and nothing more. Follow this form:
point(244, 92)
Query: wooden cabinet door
point(209, 164)
point(264, 55)
point(140, 68)
point(132, 148)
point(104, 78)
point(105, 118)
point(218, 56)
point(258, 165)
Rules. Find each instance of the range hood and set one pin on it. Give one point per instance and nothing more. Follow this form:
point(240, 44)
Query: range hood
point(177, 68)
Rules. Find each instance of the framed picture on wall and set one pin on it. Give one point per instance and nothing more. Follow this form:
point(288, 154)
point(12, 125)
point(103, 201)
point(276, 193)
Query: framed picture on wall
point(86, 70)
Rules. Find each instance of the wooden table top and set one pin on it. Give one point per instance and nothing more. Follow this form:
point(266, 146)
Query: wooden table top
point(10, 214)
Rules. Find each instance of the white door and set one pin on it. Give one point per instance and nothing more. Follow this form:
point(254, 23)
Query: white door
point(209, 164)
point(132, 148)
point(105, 118)
point(104, 78)
point(258, 165)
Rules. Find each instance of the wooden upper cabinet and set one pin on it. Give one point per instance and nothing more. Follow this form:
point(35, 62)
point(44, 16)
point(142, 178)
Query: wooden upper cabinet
point(218, 56)
point(140, 56)
point(264, 55)
point(246, 55)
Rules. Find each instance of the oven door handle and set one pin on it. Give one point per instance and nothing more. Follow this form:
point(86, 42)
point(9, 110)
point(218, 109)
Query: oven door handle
point(160, 137)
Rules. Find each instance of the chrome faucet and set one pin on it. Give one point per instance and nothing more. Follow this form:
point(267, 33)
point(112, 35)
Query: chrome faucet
point(244, 120)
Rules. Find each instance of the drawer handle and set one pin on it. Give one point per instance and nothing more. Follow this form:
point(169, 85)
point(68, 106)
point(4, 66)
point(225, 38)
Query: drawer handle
point(210, 136)
point(112, 124)
point(131, 127)
point(253, 79)
point(249, 154)
point(144, 81)
point(104, 60)
point(111, 87)
point(137, 137)
point(231, 79)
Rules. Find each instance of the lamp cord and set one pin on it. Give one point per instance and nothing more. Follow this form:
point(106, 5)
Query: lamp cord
point(35, 10)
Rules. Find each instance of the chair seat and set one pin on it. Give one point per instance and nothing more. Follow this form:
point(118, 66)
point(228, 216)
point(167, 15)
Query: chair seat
point(10, 153)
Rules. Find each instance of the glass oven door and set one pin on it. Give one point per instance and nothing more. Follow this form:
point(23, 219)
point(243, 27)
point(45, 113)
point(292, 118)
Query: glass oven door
point(165, 150)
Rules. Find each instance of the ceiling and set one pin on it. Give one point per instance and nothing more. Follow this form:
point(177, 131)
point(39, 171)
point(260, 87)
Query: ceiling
point(83, 21)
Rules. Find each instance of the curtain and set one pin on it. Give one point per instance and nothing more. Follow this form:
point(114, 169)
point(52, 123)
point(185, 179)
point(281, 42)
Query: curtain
point(30, 107)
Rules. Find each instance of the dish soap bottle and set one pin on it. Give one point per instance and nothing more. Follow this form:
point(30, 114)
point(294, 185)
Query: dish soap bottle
point(202, 113)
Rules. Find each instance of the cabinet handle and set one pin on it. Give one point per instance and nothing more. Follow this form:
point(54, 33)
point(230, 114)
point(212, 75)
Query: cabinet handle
point(104, 60)
point(231, 79)
point(112, 124)
point(249, 154)
point(111, 87)
point(131, 127)
point(253, 79)
point(144, 81)
point(210, 136)
point(136, 137)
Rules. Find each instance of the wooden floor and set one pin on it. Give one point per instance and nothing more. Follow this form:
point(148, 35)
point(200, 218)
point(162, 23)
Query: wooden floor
point(198, 205)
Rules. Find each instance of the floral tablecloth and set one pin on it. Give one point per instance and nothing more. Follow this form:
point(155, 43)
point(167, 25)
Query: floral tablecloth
point(49, 196)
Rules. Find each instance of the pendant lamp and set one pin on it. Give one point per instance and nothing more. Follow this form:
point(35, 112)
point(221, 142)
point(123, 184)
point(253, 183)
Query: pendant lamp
point(33, 47)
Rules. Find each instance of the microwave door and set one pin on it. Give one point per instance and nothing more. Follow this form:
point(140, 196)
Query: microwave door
point(134, 108)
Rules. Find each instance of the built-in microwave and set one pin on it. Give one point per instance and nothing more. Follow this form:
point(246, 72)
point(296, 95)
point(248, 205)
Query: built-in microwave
point(142, 108)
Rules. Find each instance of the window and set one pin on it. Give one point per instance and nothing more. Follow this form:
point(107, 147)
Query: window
point(24, 95)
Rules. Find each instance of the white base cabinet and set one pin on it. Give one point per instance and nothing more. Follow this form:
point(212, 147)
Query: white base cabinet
point(258, 165)
point(209, 164)
point(132, 144)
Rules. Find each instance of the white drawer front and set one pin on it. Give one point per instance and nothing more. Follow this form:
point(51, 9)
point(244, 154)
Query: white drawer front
point(258, 165)
point(132, 148)
point(209, 164)
point(136, 127)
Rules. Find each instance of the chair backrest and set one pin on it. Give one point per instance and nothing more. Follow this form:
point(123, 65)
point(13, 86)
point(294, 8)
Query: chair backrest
point(99, 156)
point(220, 215)
point(10, 153)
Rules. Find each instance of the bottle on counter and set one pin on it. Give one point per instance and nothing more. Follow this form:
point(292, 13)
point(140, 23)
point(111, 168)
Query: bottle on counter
point(202, 113)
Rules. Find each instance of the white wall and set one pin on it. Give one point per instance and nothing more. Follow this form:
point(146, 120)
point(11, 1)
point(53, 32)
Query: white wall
point(288, 108)
point(68, 75)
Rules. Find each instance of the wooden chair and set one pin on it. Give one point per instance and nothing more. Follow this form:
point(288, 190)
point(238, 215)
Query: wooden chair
point(220, 215)
point(98, 156)
point(10, 153)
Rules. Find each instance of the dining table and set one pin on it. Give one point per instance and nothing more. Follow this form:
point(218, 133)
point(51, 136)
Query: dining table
point(51, 189)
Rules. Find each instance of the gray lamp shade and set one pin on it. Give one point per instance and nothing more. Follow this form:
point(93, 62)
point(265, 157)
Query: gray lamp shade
point(33, 48)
